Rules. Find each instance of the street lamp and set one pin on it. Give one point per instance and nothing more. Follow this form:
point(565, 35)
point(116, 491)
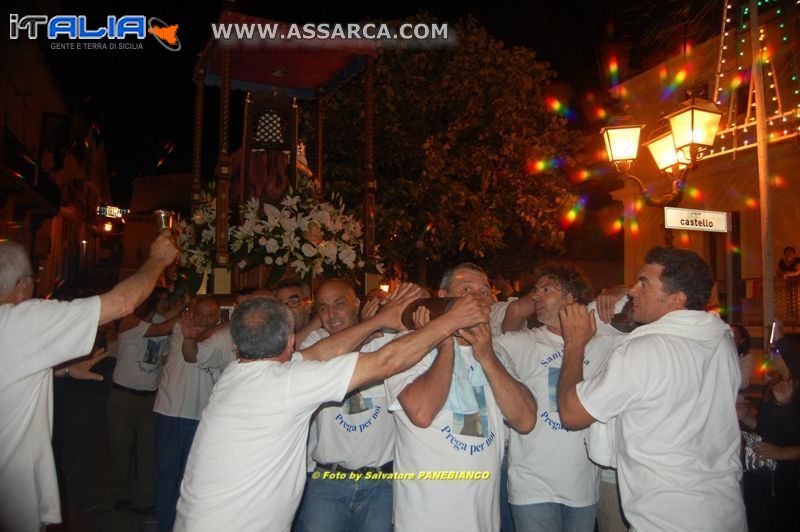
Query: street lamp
point(692, 130)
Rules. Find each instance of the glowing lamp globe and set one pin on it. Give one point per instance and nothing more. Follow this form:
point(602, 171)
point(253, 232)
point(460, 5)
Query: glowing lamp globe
point(622, 142)
point(694, 126)
point(662, 148)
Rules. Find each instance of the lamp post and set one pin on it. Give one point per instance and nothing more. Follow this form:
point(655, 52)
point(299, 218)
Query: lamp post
point(692, 129)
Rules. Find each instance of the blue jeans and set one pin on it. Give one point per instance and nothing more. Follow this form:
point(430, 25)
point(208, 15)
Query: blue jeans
point(345, 505)
point(173, 438)
point(553, 517)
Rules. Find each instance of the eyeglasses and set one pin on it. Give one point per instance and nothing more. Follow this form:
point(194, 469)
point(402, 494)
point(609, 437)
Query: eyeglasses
point(294, 301)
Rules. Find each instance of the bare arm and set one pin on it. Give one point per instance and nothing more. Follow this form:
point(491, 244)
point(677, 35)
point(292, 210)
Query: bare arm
point(190, 332)
point(130, 293)
point(179, 307)
point(404, 352)
point(351, 338)
point(770, 450)
point(424, 398)
point(515, 400)
point(160, 329)
point(577, 328)
point(82, 370)
point(517, 312)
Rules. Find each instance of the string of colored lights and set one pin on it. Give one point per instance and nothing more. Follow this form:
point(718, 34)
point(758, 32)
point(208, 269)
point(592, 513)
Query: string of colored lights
point(775, 47)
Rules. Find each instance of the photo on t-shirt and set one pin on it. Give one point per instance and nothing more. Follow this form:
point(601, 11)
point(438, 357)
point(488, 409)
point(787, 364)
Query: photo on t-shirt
point(476, 424)
point(356, 403)
point(153, 351)
point(552, 387)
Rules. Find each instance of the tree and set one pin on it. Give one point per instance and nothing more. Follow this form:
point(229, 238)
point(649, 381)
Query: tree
point(458, 132)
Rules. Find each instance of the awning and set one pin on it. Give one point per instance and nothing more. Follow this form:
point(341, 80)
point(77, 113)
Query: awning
point(296, 67)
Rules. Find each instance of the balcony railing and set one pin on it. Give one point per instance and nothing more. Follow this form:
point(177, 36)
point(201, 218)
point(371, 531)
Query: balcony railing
point(787, 301)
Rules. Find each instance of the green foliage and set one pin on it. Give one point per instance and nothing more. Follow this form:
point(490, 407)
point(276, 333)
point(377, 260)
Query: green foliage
point(457, 130)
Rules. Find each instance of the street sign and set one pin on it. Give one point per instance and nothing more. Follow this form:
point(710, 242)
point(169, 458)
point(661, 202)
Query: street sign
point(695, 220)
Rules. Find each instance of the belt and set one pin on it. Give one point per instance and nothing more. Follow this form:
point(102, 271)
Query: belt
point(388, 467)
point(131, 390)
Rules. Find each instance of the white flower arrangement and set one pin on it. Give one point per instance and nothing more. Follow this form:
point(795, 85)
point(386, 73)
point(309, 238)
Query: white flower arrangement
point(197, 237)
point(313, 238)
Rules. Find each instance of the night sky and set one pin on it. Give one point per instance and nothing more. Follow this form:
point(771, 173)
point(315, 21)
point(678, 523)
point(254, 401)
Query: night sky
point(142, 100)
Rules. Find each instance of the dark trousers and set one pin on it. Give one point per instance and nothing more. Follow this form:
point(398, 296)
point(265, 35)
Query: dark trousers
point(130, 430)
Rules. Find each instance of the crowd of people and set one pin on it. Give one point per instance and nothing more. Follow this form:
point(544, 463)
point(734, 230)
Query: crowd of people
point(322, 413)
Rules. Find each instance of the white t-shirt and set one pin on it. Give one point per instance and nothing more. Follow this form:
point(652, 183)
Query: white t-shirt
point(246, 469)
point(463, 505)
point(549, 464)
point(139, 358)
point(216, 352)
point(672, 385)
point(35, 336)
point(184, 388)
point(358, 432)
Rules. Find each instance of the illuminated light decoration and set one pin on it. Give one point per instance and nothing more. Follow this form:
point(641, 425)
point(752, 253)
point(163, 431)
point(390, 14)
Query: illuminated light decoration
point(634, 228)
point(108, 227)
point(613, 70)
point(572, 214)
point(751, 203)
point(677, 81)
point(694, 126)
point(601, 113)
point(684, 238)
point(622, 144)
point(778, 181)
point(556, 106)
point(429, 228)
point(694, 193)
point(736, 250)
point(662, 73)
point(17, 174)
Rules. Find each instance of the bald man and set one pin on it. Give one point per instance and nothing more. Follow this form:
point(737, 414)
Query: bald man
point(182, 395)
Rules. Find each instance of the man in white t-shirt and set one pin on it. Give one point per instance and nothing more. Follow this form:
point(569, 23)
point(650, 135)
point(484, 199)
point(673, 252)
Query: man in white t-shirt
point(142, 342)
point(36, 335)
point(182, 395)
point(212, 348)
point(449, 411)
point(246, 469)
point(552, 484)
point(354, 436)
point(672, 386)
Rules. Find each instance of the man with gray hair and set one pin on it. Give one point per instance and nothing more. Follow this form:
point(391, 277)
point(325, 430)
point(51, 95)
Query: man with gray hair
point(36, 335)
point(450, 410)
point(246, 469)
